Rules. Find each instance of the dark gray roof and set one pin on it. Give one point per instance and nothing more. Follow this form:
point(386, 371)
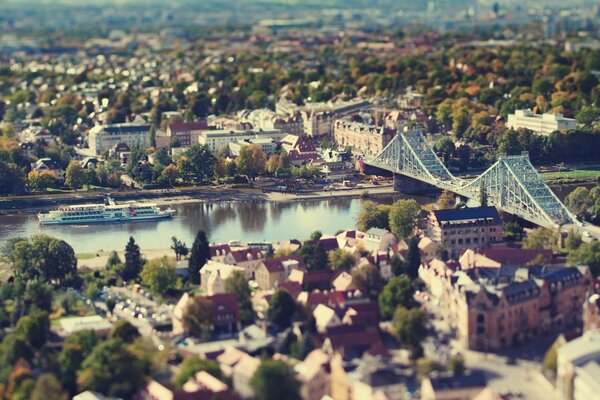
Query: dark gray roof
point(468, 380)
point(466, 214)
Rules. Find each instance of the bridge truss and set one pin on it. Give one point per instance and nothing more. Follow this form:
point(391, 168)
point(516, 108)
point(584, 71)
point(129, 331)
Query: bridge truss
point(512, 184)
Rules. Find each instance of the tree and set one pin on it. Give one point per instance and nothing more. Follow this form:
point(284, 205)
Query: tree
point(196, 165)
point(75, 175)
point(413, 259)
point(238, 284)
point(541, 238)
point(251, 161)
point(133, 260)
point(125, 331)
point(40, 180)
point(373, 215)
point(318, 259)
point(197, 317)
point(456, 365)
point(194, 364)
point(397, 292)
point(404, 217)
point(199, 255)
point(368, 280)
point(75, 349)
point(340, 259)
point(47, 387)
point(179, 248)
point(483, 197)
point(263, 381)
point(159, 275)
point(111, 369)
point(34, 328)
point(170, 174)
point(445, 145)
point(316, 235)
point(445, 201)
point(579, 201)
point(113, 259)
point(282, 309)
point(409, 326)
point(13, 348)
point(587, 254)
point(573, 240)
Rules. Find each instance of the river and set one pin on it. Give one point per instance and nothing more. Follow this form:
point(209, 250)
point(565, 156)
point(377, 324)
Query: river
point(222, 222)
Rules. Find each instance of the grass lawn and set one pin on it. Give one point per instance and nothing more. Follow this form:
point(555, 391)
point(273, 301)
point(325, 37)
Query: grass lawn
point(577, 174)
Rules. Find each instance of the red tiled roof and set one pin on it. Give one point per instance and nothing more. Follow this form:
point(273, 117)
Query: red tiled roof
point(334, 299)
point(224, 303)
point(275, 264)
point(188, 126)
point(349, 336)
point(222, 248)
point(515, 256)
point(293, 288)
point(242, 255)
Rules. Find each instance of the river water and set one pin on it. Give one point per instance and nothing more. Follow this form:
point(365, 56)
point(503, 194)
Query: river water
point(222, 222)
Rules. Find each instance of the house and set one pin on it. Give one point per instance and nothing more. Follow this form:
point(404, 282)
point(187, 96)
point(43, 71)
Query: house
point(313, 375)
point(272, 272)
point(102, 137)
point(376, 239)
point(242, 374)
point(50, 166)
point(186, 133)
point(452, 387)
point(428, 248)
point(352, 341)
point(343, 282)
point(460, 229)
point(325, 318)
point(312, 280)
point(249, 259)
point(218, 252)
point(578, 367)
point(229, 359)
point(202, 386)
point(225, 313)
point(375, 377)
point(214, 274)
point(498, 256)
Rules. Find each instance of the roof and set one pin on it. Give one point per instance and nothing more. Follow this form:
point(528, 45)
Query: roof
point(230, 357)
point(188, 126)
point(467, 214)
point(515, 256)
point(219, 250)
point(251, 253)
point(247, 365)
point(473, 379)
point(521, 291)
point(277, 264)
point(581, 348)
point(71, 325)
point(125, 128)
point(376, 231)
point(349, 336)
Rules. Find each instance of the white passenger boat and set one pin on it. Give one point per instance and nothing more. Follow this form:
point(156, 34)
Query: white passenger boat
point(107, 212)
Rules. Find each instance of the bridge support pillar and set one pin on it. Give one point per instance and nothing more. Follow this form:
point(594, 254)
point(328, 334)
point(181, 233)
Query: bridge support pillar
point(404, 184)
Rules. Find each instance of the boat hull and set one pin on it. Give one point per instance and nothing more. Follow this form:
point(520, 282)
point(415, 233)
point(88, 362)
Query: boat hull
point(105, 220)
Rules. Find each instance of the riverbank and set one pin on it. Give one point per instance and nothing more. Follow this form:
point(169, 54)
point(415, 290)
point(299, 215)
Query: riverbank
point(31, 204)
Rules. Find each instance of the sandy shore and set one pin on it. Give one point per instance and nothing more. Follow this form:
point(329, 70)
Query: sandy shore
point(98, 260)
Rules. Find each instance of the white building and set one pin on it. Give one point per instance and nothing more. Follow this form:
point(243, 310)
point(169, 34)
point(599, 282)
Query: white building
point(103, 137)
point(543, 124)
point(217, 138)
point(578, 367)
point(268, 145)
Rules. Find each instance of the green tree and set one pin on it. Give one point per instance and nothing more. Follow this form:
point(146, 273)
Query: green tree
point(47, 387)
point(252, 161)
point(445, 201)
point(573, 240)
point(340, 259)
point(589, 117)
point(316, 235)
point(373, 215)
point(397, 292)
point(238, 284)
point(368, 280)
point(270, 371)
point(111, 369)
point(191, 366)
point(197, 317)
point(409, 326)
point(587, 254)
point(404, 217)
point(34, 328)
point(456, 365)
point(14, 347)
point(541, 238)
point(579, 201)
point(445, 145)
point(125, 331)
point(75, 349)
point(199, 255)
point(159, 275)
point(133, 260)
point(282, 309)
point(41, 180)
point(113, 260)
point(170, 174)
point(75, 175)
point(179, 248)
point(196, 165)
point(413, 259)
point(483, 196)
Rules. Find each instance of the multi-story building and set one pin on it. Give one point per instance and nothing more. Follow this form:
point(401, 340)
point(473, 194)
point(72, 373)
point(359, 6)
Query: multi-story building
point(216, 138)
point(543, 124)
point(362, 138)
point(493, 308)
point(578, 367)
point(465, 228)
point(185, 133)
point(103, 137)
point(267, 120)
point(268, 145)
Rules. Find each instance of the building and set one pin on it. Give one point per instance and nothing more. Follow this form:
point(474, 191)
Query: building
point(362, 138)
point(313, 375)
point(186, 133)
point(267, 145)
point(591, 313)
point(242, 373)
point(71, 325)
point(214, 274)
point(578, 367)
point(225, 313)
point(451, 387)
point(215, 139)
point(266, 119)
point(272, 272)
point(103, 137)
point(543, 124)
point(464, 228)
point(377, 239)
point(493, 308)
point(50, 166)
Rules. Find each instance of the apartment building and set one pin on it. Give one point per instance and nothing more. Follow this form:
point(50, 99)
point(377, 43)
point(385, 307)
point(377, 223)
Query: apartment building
point(216, 138)
point(362, 138)
point(185, 133)
point(465, 228)
point(543, 124)
point(104, 137)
